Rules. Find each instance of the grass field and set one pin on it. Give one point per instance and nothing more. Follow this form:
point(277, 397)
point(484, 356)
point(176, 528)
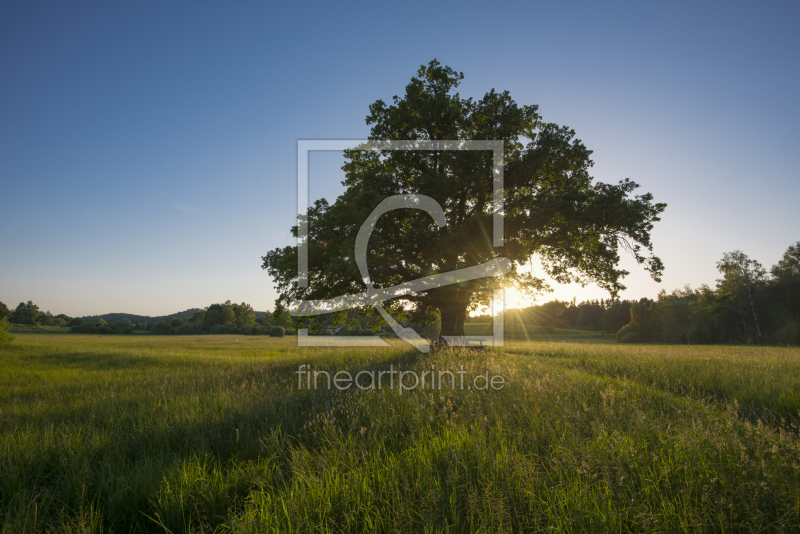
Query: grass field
point(518, 331)
point(181, 434)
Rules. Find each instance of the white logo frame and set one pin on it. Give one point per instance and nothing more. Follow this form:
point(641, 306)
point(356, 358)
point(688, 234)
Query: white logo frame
point(375, 296)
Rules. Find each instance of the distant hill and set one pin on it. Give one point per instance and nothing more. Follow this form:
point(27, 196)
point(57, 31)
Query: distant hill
point(117, 317)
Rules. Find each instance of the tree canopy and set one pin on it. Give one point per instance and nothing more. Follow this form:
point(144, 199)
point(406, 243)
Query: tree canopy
point(551, 207)
point(26, 313)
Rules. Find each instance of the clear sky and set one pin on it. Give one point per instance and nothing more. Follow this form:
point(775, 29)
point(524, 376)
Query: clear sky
point(148, 149)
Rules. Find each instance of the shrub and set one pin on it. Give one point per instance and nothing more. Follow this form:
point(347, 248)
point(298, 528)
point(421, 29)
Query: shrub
point(627, 329)
point(630, 337)
point(276, 331)
point(5, 337)
point(189, 329)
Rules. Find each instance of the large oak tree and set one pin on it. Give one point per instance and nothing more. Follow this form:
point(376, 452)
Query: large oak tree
point(552, 208)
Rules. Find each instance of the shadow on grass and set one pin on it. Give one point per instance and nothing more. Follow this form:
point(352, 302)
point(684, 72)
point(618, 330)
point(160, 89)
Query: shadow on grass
point(126, 469)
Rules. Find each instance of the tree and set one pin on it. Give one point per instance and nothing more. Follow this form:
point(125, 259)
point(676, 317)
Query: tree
point(742, 288)
point(553, 314)
point(26, 313)
point(705, 324)
point(551, 206)
point(674, 311)
point(281, 317)
point(173, 321)
point(244, 316)
point(219, 314)
point(5, 313)
point(786, 283)
point(617, 315)
point(5, 337)
point(125, 322)
point(645, 325)
point(162, 328)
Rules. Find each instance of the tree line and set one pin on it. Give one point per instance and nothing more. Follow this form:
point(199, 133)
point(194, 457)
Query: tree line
point(748, 305)
point(28, 313)
point(224, 318)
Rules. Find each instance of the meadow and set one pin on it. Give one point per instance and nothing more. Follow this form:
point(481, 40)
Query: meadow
point(212, 434)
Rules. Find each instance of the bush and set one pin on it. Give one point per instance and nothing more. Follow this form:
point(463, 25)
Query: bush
point(127, 330)
point(5, 337)
point(630, 337)
point(276, 331)
point(625, 330)
point(189, 329)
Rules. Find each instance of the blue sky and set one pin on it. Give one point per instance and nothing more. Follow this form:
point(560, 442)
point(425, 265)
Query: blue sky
point(147, 149)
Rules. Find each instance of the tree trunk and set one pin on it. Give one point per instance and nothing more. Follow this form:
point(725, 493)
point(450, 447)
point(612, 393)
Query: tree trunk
point(753, 310)
point(453, 316)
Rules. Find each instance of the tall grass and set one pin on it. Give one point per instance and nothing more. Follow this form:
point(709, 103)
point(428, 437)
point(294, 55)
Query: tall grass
point(152, 434)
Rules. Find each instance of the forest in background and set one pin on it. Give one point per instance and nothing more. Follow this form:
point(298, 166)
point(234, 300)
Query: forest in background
point(749, 305)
